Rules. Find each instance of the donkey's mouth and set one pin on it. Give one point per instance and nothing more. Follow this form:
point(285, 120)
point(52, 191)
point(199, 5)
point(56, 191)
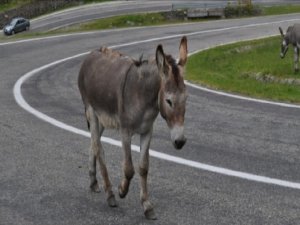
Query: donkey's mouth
point(283, 52)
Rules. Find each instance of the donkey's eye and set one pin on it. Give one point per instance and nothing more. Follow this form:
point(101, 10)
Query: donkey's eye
point(169, 102)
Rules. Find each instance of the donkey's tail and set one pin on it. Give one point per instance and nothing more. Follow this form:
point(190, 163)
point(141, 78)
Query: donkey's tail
point(87, 120)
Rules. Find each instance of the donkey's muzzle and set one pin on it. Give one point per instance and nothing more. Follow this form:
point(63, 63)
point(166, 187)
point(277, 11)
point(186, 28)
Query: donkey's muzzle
point(178, 144)
point(177, 137)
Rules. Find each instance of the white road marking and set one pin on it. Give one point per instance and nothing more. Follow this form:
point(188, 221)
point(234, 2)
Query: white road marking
point(219, 170)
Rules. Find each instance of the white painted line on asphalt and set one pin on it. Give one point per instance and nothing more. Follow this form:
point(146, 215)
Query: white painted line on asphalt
point(219, 170)
point(242, 97)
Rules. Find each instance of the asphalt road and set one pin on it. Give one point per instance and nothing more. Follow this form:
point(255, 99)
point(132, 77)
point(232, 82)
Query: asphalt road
point(44, 170)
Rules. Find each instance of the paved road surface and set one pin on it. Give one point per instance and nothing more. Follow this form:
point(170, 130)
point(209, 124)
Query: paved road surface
point(43, 169)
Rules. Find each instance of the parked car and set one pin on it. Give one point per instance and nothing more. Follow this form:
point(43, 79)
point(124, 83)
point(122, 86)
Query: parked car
point(16, 25)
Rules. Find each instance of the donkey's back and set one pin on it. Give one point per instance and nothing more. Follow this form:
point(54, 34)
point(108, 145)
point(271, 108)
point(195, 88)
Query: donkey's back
point(294, 32)
point(100, 82)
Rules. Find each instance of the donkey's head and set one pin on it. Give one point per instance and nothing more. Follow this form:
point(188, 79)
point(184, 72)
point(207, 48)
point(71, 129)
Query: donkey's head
point(284, 42)
point(172, 95)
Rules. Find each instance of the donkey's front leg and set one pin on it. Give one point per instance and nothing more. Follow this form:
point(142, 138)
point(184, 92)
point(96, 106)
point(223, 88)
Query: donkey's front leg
point(143, 170)
point(127, 164)
point(296, 59)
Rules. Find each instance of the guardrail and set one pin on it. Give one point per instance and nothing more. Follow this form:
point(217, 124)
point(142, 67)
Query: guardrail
point(177, 6)
point(198, 10)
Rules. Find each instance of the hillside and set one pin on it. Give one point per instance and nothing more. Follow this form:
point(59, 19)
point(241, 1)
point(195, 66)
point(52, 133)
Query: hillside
point(33, 8)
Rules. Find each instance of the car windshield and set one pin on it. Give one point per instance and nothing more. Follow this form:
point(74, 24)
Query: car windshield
point(13, 22)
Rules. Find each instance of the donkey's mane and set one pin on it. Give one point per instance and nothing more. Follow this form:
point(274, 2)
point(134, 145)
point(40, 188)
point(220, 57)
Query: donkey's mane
point(139, 62)
point(110, 52)
point(175, 70)
point(290, 28)
point(117, 54)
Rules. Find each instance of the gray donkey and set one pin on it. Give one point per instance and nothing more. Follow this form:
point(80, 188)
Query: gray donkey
point(292, 36)
point(121, 93)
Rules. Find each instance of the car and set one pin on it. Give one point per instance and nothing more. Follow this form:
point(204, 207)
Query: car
point(16, 25)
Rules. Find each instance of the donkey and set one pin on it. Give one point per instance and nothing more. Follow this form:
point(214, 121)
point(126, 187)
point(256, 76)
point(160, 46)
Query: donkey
point(292, 36)
point(122, 93)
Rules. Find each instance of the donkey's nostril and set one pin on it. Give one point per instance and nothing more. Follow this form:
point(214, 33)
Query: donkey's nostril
point(179, 143)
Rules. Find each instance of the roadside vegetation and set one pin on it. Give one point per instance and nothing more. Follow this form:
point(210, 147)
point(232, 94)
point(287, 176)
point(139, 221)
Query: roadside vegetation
point(251, 68)
point(282, 9)
point(133, 20)
point(11, 4)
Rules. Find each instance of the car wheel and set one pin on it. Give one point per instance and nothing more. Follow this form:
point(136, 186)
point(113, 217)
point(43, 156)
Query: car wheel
point(12, 32)
point(27, 28)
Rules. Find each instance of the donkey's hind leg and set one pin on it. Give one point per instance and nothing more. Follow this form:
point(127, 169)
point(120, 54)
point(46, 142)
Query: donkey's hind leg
point(94, 186)
point(97, 154)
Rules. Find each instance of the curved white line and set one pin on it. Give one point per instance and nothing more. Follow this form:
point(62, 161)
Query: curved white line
point(21, 101)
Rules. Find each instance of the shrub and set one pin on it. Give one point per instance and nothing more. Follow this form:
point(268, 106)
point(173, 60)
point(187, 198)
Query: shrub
point(241, 9)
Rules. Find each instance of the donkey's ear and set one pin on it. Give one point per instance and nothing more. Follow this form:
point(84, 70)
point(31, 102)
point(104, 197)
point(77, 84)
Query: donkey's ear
point(183, 51)
point(281, 32)
point(161, 61)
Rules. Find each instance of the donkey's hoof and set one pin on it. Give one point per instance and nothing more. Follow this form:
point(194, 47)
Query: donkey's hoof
point(122, 193)
point(111, 200)
point(148, 210)
point(150, 214)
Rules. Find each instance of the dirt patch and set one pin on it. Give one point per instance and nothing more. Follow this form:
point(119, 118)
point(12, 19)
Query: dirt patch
point(268, 78)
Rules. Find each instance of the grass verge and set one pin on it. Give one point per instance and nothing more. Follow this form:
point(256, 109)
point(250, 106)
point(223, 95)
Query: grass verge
point(282, 9)
point(251, 68)
point(134, 20)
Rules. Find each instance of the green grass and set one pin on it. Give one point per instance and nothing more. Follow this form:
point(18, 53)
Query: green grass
point(134, 20)
point(235, 68)
point(283, 9)
point(119, 22)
